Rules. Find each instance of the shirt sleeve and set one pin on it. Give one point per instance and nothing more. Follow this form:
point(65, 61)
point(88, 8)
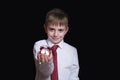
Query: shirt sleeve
point(75, 68)
point(45, 69)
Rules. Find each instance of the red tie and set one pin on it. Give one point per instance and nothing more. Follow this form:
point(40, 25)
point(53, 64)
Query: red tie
point(54, 75)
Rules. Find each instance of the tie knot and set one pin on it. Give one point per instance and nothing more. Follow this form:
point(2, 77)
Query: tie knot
point(54, 47)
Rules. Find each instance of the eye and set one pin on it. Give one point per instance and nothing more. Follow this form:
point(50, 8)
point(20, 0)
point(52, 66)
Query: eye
point(51, 29)
point(61, 30)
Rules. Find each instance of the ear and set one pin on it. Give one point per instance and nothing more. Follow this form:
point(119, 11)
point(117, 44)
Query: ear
point(67, 29)
point(45, 28)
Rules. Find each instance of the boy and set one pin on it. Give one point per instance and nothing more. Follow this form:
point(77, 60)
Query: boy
point(62, 63)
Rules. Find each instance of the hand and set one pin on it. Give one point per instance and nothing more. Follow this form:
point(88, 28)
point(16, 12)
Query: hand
point(42, 58)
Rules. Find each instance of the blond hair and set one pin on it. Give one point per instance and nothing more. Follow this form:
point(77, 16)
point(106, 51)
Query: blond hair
point(56, 17)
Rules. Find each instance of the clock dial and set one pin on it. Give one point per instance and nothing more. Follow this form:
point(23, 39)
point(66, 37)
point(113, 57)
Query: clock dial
point(45, 51)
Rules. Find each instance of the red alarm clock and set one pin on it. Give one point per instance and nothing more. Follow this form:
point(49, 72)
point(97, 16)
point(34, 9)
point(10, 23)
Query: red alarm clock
point(44, 50)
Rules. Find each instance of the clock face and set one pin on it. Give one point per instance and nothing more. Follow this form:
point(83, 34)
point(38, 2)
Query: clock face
point(45, 51)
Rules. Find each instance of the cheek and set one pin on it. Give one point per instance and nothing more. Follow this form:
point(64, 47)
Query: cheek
point(49, 33)
point(62, 34)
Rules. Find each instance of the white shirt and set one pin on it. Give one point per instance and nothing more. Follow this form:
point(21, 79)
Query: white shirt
point(68, 65)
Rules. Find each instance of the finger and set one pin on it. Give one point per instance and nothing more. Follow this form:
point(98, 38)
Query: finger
point(46, 58)
point(42, 58)
point(50, 56)
point(38, 56)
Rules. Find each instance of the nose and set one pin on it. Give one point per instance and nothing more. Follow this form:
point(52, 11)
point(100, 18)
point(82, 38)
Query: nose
point(55, 33)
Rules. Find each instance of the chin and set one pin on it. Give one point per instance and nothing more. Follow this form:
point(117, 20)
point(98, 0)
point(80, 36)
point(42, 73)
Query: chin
point(55, 42)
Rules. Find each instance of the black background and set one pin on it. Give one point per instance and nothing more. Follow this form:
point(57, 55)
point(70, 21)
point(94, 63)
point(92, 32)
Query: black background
point(22, 25)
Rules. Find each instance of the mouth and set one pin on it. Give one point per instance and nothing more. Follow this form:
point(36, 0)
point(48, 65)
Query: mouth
point(55, 38)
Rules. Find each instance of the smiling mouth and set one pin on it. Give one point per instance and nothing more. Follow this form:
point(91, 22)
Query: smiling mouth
point(55, 38)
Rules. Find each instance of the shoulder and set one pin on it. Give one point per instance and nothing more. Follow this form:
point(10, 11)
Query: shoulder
point(40, 42)
point(70, 47)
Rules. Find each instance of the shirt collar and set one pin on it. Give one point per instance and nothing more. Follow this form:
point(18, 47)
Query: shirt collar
point(50, 44)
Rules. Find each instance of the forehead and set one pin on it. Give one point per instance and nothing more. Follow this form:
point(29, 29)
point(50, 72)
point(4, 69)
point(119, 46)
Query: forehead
point(57, 26)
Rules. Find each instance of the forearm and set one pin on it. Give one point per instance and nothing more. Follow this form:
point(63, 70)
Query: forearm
point(74, 75)
point(46, 69)
point(75, 68)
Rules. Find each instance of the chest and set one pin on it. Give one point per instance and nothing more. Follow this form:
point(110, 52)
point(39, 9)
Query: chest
point(65, 59)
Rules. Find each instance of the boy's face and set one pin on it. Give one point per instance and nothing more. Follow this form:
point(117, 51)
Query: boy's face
point(56, 33)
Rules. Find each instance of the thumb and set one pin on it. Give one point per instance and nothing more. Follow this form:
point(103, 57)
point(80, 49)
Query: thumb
point(50, 56)
point(38, 56)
